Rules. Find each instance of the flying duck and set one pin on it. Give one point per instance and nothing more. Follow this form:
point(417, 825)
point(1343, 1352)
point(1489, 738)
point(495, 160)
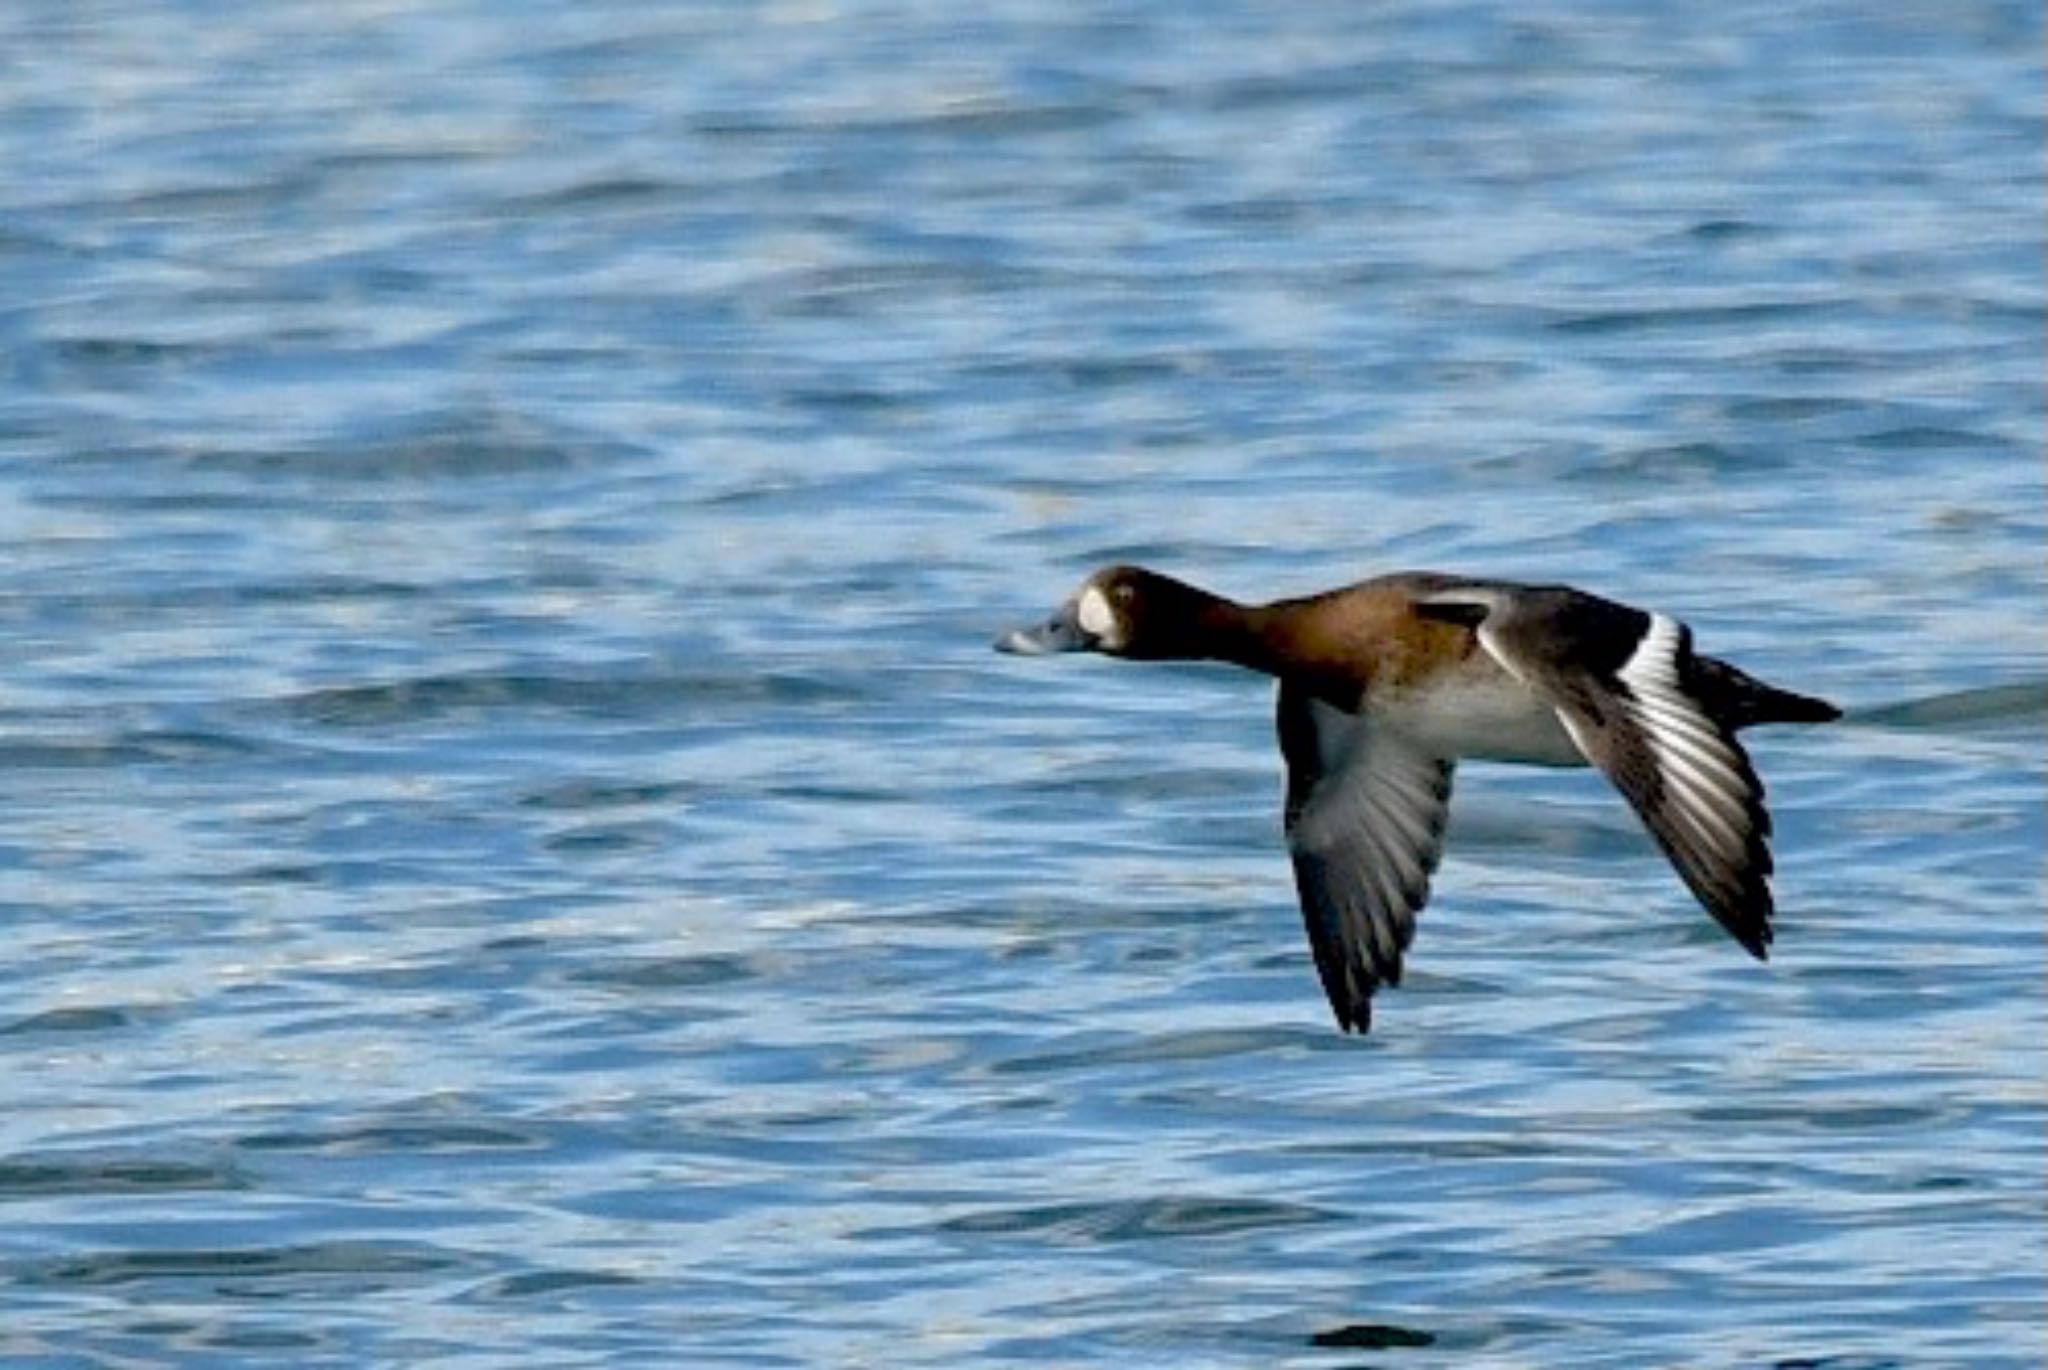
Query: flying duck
point(1386, 684)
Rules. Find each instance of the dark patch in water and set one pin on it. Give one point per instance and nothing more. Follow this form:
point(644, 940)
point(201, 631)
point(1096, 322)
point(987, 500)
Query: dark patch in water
point(536, 1284)
point(83, 1018)
point(432, 446)
point(32, 1177)
point(668, 972)
point(160, 747)
point(243, 1268)
point(408, 1138)
point(2022, 701)
point(1687, 317)
point(580, 795)
point(1087, 1224)
point(1373, 1336)
point(438, 696)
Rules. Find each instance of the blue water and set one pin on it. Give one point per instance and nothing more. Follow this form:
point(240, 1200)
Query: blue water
point(514, 848)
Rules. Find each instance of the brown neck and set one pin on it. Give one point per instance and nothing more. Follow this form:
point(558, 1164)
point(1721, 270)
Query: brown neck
point(1266, 638)
point(1236, 633)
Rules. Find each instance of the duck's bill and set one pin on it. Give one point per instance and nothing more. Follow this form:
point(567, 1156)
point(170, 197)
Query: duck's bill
point(1060, 633)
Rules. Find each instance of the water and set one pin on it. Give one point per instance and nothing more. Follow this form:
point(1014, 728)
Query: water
point(515, 849)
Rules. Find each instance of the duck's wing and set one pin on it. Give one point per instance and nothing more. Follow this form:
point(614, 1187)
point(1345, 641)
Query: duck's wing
point(1365, 827)
point(1627, 687)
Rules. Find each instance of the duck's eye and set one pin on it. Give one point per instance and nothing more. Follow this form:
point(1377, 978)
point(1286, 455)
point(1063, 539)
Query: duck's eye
point(1123, 593)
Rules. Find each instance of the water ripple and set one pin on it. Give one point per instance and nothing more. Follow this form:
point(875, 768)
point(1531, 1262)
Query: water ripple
point(33, 1177)
point(1090, 1224)
point(519, 851)
point(238, 1272)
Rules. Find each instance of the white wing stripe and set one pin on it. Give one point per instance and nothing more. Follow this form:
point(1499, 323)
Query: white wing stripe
point(1710, 774)
point(1704, 821)
point(1690, 818)
point(1698, 767)
point(1675, 713)
point(1709, 782)
point(1688, 739)
point(1654, 660)
point(1677, 721)
point(1709, 778)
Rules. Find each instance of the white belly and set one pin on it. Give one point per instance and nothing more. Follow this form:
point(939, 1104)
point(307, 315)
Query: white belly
point(1486, 715)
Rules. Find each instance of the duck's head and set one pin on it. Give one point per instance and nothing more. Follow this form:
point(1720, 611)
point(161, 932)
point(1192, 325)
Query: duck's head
point(1124, 611)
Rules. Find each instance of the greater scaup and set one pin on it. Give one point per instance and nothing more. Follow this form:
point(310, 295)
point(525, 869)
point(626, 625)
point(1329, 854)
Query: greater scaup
point(1384, 685)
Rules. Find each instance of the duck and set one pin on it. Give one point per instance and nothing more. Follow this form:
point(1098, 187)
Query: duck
point(1387, 684)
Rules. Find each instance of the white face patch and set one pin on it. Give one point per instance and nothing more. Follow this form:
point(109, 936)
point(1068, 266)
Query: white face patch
point(1095, 616)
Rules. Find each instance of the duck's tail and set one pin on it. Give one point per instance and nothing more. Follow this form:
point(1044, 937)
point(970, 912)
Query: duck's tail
point(1736, 699)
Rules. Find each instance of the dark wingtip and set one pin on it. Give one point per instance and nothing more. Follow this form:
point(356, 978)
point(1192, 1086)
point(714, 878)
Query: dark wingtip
point(1354, 1016)
point(1754, 937)
point(1804, 709)
point(1773, 705)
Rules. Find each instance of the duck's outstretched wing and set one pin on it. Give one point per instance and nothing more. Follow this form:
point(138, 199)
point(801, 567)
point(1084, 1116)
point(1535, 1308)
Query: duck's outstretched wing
point(1629, 690)
point(1365, 826)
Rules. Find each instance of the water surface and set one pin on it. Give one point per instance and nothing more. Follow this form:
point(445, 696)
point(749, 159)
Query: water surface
point(515, 848)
